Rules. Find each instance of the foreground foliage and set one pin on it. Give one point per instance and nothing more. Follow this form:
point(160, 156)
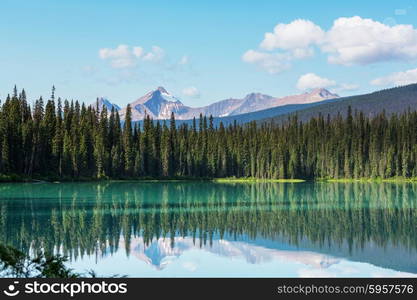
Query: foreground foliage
point(14, 263)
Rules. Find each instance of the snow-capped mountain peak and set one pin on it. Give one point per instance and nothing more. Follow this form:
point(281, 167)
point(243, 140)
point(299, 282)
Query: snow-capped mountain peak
point(162, 89)
point(103, 101)
point(322, 92)
point(160, 104)
point(167, 96)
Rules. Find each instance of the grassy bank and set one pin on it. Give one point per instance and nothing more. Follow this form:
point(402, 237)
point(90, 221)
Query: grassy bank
point(378, 179)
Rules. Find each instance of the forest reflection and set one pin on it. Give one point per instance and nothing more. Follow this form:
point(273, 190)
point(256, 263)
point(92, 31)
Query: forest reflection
point(89, 218)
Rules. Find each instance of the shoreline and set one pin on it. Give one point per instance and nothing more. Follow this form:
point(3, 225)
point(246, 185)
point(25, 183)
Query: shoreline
point(20, 179)
point(370, 180)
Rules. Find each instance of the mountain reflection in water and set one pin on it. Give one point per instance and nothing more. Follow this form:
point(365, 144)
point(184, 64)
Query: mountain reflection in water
point(319, 225)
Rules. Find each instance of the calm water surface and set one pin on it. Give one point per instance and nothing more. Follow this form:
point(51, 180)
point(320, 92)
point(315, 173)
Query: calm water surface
point(193, 229)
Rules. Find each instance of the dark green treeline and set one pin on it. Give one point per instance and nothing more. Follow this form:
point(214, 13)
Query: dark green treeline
point(66, 139)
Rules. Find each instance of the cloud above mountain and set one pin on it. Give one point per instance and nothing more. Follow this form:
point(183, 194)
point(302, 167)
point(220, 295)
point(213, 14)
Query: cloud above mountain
point(397, 78)
point(155, 55)
point(296, 37)
point(271, 62)
point(365, 41)
point(312, 81)
point(124, 56)
point(121, 56)
point(350, 41)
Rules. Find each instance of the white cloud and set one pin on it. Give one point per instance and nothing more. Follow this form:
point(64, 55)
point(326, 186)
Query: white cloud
point(364, 41)
point(124, 56)
point(191, 92)
point(296, 36)
point(271, 62)
point(300, 53)
point(312, 81)
point(293, 41)
point(350, 41)
point(398, 78)
point(156, 54)
point(120, 57)
point(138, 51)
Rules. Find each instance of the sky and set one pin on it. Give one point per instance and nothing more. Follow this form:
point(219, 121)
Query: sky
point(205, 51)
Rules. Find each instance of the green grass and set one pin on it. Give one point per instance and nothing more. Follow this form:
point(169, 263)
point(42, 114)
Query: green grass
point(365, 179)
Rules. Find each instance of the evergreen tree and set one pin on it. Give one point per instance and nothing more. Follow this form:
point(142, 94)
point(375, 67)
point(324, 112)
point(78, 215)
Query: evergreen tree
point(128, 142)
point(70, 140)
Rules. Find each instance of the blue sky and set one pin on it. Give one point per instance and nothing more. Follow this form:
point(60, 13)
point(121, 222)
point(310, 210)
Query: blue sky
point(204, 51)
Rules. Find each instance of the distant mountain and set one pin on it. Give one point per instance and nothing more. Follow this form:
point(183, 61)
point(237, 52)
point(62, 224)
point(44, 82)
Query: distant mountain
point(283, 110)
point(394, 100)
point(263, 108)
point(101, 101)
point(159, 104)
point(250, 103)
point(256, 102)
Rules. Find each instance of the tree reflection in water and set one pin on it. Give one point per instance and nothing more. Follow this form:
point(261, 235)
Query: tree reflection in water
point(88, 218)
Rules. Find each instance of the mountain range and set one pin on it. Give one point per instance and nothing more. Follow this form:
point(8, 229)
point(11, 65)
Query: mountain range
point(395, 100)
point(159, 104)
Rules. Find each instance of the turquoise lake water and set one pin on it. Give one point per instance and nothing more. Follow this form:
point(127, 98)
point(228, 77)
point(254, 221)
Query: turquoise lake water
point(205, 229)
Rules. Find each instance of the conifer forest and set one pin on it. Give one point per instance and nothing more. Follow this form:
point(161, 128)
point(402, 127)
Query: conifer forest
point(61, 139)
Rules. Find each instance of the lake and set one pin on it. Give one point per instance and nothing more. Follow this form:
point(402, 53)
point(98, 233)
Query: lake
point(205, 229)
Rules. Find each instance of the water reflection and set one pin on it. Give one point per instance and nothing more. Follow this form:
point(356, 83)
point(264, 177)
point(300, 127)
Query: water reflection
point(159, 253)
point(315, 225)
